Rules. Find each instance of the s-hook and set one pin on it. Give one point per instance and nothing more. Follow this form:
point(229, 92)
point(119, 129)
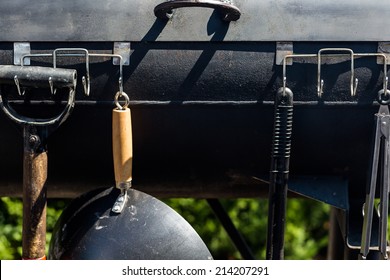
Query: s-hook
point(379, 171)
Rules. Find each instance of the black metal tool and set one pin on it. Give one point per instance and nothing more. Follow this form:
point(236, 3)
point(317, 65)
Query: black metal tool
point(35, 134)
point(379, 176)
point(280, 161)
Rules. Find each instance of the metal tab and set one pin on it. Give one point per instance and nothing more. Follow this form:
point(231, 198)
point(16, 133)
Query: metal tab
point(283, 49)
point(20, 49)
point(383, 47)
point(120, 202)
point(123, 49)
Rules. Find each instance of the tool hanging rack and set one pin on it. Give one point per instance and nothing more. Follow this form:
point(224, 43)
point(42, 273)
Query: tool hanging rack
point(281, 144)
point(335, 53)
point(37, 130)
point(74, 52)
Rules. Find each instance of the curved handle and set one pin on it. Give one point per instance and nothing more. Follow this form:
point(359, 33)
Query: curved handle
point(229, 11)
point(35, 76)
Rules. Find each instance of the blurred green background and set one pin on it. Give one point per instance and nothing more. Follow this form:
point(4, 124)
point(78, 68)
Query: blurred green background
point(306, 235)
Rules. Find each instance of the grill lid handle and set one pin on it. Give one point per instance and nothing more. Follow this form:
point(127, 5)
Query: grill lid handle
point(228, 11)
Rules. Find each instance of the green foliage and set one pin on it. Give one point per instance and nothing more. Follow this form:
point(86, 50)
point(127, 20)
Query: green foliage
point(11, 210)
point(306, 228)
point(11, 228)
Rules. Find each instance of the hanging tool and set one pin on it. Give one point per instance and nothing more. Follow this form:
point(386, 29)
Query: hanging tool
point(280, 160)
point(122, 146)
point(35, 134)
point(122, 222)
point(379, 177)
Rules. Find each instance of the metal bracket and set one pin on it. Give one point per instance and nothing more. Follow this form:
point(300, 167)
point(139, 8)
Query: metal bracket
point(122, 49)
point(336, 52)
point(21, 49)
point(383, 47)
point(283, 49)
point(78, 52)
point(120, 202)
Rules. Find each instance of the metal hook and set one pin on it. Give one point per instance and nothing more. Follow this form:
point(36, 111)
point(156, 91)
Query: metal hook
point(120, 84)
point(320, 82)
point(52, 89)
point(18, 86)
point(285, 67)
point(85, 79)
point(385, 77)
point(86, 85)
point(384, 91)
point(120, 81)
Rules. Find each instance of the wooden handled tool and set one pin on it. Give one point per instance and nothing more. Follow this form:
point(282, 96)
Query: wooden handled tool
point(35, 134)
point(122, 145)
point(122, 148)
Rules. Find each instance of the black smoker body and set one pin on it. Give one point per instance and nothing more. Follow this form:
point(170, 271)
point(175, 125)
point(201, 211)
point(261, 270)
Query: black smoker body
point(202, 91)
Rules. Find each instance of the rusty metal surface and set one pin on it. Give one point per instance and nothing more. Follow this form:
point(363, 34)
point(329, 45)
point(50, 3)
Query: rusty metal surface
point(34, 205)
point(122, 20)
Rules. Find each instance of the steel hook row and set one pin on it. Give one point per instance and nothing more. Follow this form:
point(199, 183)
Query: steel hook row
point(337, 52)
point(74, 52)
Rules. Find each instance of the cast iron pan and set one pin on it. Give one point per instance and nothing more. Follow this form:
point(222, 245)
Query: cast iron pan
point(145, 228)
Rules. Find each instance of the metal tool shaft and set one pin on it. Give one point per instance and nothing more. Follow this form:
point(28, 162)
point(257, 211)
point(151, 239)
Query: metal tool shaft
point(379, 175)
point(35, 134)
point(280, 161)
point(34, 194)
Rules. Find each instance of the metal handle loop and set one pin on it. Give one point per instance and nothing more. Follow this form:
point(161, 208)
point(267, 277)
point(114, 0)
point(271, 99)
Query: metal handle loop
point(118, 95)
point(229, 11)
point(22, 120)
point(37, 77)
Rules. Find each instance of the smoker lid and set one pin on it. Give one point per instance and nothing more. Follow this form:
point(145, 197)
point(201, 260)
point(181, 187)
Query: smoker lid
point(123, 20)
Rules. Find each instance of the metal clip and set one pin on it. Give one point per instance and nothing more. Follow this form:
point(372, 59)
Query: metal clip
point(320, 82)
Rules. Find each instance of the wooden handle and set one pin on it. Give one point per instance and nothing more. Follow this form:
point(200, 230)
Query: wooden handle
point(122, 145)
point(34, 205)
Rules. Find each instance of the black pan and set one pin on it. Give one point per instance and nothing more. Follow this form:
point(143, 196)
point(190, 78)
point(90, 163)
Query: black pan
point(145, 228)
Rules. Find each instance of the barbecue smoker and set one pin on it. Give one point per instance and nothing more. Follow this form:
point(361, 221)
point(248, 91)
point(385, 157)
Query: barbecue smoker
point(228, 99)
